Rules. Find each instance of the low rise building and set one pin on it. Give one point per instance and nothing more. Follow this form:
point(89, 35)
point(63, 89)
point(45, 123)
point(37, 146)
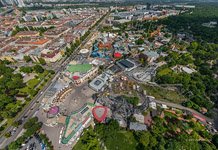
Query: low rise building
point(51, 55)
point(27, 34)
point(56, 32)
point(126, 64)
point(137, 126)
point(99, 82)
point(152, 55)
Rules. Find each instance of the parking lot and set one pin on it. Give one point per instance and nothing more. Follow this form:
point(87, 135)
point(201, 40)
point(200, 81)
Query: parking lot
point(32, 144)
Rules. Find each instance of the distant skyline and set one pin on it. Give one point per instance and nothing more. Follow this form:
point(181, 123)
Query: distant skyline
point(21, 3)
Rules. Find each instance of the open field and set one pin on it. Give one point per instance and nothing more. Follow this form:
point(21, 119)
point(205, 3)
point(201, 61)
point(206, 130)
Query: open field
point(164, 94)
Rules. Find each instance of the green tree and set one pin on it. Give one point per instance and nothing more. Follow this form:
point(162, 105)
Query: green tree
point(27, 58)
point(26, 69)
point(30, 123)
point(7, 135)
point(38, 69)
point(14, 146)
point(140, 41)
point(42, 61)
point(215, 140)
point(144, 138)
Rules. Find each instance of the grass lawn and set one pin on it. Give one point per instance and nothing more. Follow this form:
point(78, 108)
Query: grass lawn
point(79, 68)
point(164, 71)
point(25, 90)
point(33, 83)
point(43, 75)
point(164, 94)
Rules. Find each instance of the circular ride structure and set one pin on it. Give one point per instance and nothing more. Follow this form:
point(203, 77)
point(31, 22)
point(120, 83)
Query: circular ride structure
point(84, 51)
point(100, 113)
point(53, 110)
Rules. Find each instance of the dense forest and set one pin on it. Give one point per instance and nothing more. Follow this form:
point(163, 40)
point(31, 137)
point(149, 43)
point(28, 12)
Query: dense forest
point(200, 87)
point(192, 22)
point(10, 83)
point(167, 133)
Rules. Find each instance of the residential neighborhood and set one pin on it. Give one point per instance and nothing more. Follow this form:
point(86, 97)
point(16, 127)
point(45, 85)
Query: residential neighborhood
point(107, 76)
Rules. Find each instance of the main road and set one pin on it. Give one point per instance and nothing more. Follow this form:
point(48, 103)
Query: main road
point(178, 106)
point(34, 105)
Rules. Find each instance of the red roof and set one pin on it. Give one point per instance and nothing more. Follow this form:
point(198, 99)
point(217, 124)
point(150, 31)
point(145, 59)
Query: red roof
point(107, 45)
point(76, 77)
point(199, 118)
point(100, 113)
point(50, 55)
point(117, 55)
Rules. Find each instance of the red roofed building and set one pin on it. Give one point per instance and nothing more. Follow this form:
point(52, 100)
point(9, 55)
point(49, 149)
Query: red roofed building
point(107, 45)
point(203, 120)
point(100, 113)
point(51, 55)
point(27, 34)
point(75, 77)
point(117, 55)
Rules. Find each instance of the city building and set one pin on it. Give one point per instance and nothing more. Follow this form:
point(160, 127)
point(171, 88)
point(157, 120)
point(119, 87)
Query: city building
point(27, 34)
point(51, 55)
point(126, 64)
point(137, 126)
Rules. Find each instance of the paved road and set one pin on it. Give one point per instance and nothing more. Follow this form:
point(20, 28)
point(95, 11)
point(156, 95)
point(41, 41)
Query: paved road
point(183, 108)
point(28, 113)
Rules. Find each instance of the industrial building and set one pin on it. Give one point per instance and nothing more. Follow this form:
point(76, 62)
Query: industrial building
point(126, 64)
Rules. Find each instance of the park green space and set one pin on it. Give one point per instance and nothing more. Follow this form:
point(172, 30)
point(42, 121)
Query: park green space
point(164, 94)
point(165, 71)
point(15, 93)
point(33, 83)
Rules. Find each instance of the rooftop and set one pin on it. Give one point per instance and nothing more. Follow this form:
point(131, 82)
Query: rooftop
point(53, 110)
point(100, 113)
point(126, 63)
point(137, 126)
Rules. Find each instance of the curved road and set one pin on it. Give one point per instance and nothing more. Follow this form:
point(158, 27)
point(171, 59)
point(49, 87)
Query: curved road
point(183, 108)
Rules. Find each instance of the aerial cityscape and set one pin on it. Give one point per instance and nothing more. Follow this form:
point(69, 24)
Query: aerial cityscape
point(108, 75)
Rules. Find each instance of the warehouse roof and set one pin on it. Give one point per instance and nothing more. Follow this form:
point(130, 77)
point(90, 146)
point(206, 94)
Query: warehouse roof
point(126, 63)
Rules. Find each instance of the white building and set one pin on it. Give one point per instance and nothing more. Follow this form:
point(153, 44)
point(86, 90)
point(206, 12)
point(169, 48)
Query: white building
point(99, 82)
